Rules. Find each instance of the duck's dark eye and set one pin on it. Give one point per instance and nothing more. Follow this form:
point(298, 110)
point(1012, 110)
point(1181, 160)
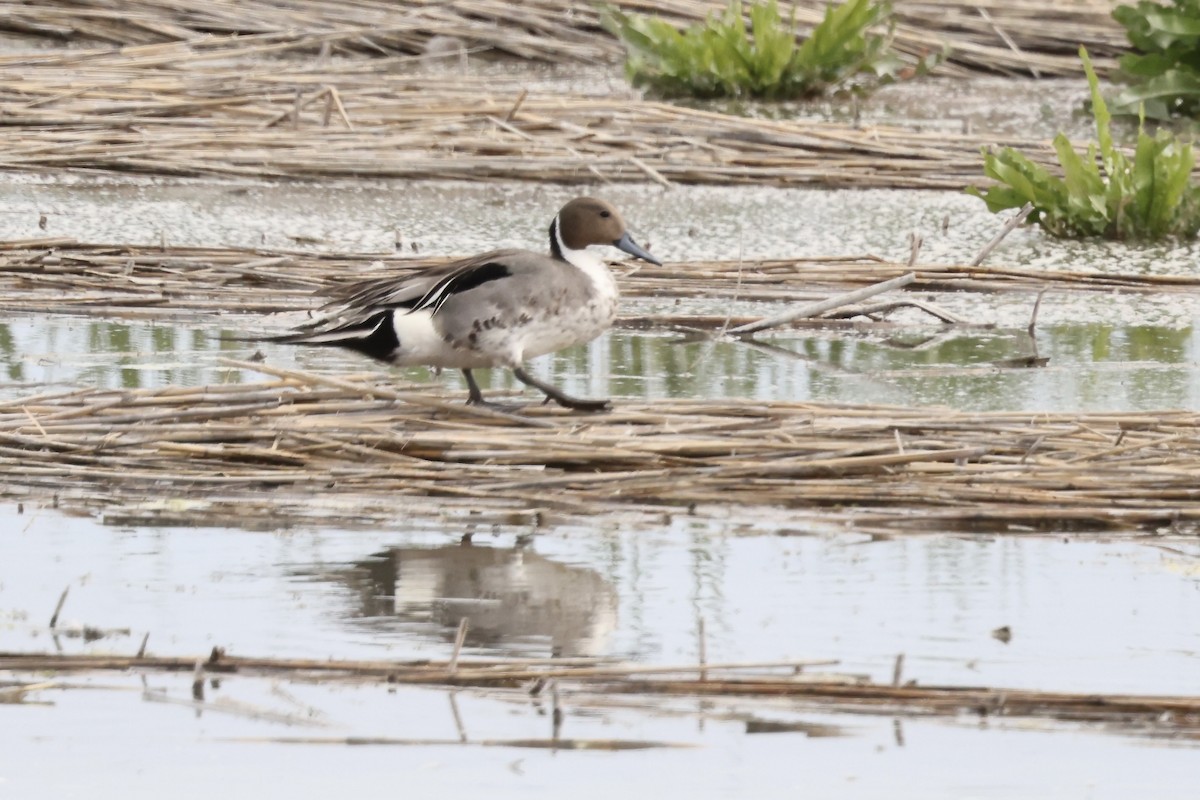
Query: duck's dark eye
point(606, 214)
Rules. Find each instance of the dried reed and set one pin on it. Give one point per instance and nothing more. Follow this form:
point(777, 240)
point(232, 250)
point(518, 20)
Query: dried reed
point(226, 101)
point(1008, 37)
point(64, 276)
point(410, 448)
point(224, 123)
point(1165, 715)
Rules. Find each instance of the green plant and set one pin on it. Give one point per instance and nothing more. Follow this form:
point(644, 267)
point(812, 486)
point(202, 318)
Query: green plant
point(1165, 74)
point(1104, 193)
point(720, 57)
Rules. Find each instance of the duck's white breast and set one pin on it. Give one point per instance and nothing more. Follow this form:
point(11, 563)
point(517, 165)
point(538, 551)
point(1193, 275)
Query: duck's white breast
point(569, 323)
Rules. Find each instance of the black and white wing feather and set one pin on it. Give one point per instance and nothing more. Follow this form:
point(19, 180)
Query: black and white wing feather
point(359, 311)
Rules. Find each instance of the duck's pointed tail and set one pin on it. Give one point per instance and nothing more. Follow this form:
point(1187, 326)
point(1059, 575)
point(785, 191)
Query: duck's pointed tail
point(336, 336)
point(374, 336)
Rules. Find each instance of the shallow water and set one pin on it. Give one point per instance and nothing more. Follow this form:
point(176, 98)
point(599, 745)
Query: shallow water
point(1095, 367)
point(1001, 106)
point(454, 218)
point(1084, 615)
point(122, 746)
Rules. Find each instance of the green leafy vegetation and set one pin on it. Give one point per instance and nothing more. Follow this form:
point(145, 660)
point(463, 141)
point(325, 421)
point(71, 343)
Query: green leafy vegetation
point(1104, 192)
point(1165, 73)
point(721, 57)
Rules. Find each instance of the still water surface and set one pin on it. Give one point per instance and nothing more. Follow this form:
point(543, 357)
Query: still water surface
point(120, 746)
point(1084, 615)
point(1092, 366)
point(452, 218)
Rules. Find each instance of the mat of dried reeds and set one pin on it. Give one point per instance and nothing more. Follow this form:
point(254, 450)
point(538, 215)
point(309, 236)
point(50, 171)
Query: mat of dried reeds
point(65, 276)
point(231, 106)
point(398, 449)
point(1008, 37)
point(1173, 715)
point(276, 123)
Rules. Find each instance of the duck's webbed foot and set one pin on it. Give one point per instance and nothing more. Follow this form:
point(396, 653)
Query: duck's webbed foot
point(475, 396)
point(557, 395)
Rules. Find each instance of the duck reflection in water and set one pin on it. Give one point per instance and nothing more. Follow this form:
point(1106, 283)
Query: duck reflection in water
point(511, 596)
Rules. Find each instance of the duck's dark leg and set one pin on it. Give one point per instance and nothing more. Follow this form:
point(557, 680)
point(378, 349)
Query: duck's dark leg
point(474, 396)
point(557, 395)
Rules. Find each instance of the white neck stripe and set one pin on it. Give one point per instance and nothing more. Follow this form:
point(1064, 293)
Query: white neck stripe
point(576, 258)
point(562, 247)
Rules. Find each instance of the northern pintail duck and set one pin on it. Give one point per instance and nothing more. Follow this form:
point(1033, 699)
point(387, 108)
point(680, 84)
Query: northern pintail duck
point(494, 310)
